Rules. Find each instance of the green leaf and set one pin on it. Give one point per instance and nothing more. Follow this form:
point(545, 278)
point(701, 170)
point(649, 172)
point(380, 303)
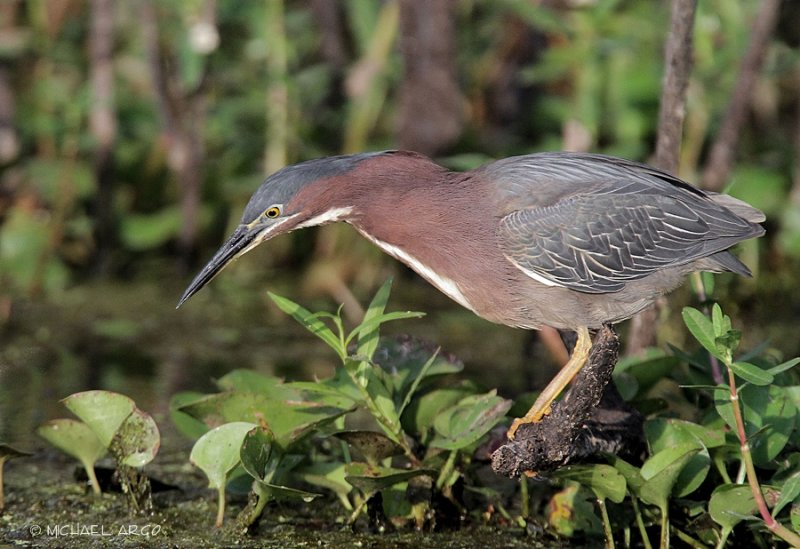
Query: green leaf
point(420, 414)
point(752, 373)
point(371, 479)
point(74, 438)
point(283, 493)
point(368, 339)
point(375, 447)
point(668, 433)
point(216, 453)
point(732, 503)
point(633, 476)
point(289, 421)
point(103, 411)
point(702, 329)
point(780, 368)
point(257, 455)
point(790, 492)
point(718, 320)
point(372, 326)
point(604, 480)
point(407, 362)
point(468, 420)
point(768, 411)
point(251, 381)
point(137, 440)
point(186, 424)
point(328, 475)
point(661, 471)
point(311, 323)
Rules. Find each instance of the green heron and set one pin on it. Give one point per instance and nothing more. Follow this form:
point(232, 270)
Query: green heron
point(568, 240)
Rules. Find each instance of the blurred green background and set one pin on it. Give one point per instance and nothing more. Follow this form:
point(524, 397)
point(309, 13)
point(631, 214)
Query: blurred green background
point(132, 134)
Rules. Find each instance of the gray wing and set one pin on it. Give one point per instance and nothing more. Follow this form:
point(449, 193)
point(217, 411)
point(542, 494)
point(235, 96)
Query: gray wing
point(616, 232)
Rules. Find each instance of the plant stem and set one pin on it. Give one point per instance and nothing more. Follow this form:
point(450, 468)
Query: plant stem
point(526, 498)
point(606, 523)
point(687, 539)
point(640, 522)
point(664, 542)
point(220, 506)
point(444, 474)
point(92, 477)
point(773, 525)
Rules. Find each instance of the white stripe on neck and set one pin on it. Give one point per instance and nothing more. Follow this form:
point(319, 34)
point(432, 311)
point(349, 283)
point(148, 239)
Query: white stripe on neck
point(443, 284)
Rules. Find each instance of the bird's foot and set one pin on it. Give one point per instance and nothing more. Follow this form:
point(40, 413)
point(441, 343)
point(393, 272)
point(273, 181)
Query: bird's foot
point(535, 417)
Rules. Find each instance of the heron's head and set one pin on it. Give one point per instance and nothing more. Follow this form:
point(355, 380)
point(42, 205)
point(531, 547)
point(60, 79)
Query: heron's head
point(301, 195)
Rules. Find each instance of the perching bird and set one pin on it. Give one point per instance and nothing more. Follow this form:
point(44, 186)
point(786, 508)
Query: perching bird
point(568, 240)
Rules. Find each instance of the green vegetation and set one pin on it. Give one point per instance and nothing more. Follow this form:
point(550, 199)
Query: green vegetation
point(702, 481)
point(109, 422)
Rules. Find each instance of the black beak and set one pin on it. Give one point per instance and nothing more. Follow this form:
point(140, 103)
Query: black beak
point(236, 244)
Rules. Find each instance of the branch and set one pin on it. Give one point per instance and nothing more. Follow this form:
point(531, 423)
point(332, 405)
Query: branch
point(678, 63)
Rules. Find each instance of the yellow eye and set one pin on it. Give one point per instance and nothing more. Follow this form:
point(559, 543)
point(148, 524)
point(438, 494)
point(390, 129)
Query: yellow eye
point(273, 212)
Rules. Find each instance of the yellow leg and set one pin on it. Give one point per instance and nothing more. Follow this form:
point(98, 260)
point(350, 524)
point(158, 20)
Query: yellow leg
point(541, 407)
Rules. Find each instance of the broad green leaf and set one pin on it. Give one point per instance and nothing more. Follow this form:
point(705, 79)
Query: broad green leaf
point(752, 373)
point(74, 438)
point(661, 471)
point(732, 503)
point(790, 493)
point(216, 453)
point(571, 511)
point(329, 475)
point(289, 421)
point(633, 475)
point(604, 480)
point(311, 323)
point(668, 433)
point(103, 411)
point(257, 453)
point(255, 382)
point(186, 424)
point(137, 440)
point(375, 447)
point(768, 411)
point(419, 415)
point(702, 329)
point(371, 479)
point(468, 420)
point(648, 371)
